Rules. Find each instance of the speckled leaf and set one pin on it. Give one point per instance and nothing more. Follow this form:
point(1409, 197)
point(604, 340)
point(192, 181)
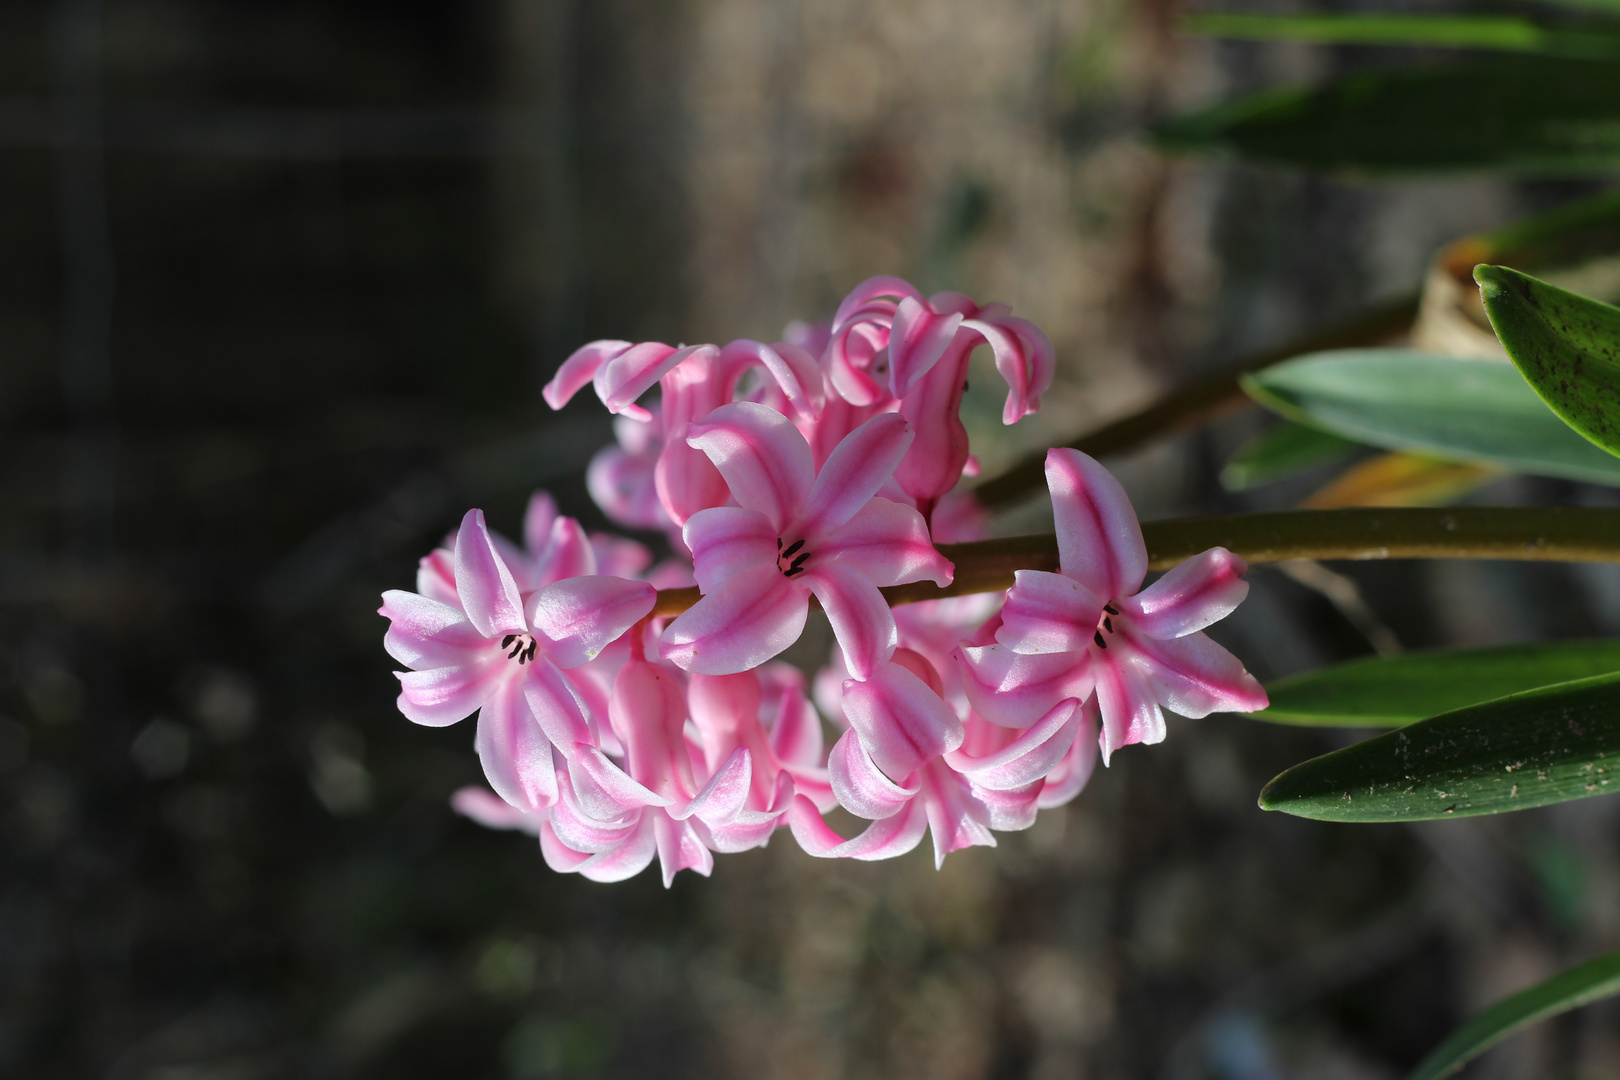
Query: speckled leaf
point(1566, 346)
point(1542, 746)
point(1281, 451)
point(1592, 981)
point(1476, 410)
point(1390, 691)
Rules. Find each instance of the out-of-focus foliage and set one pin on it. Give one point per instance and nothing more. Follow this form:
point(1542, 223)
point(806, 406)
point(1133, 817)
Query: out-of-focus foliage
point(1283, 450)
point(1395, 690)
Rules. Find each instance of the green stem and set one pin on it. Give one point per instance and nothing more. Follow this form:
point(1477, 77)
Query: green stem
point(1545, 533)
point(1201, 401)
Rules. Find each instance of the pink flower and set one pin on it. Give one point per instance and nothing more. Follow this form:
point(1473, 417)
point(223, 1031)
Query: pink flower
point(621, 477)
point(797, 532)
point(504, 655)
point(1089, 628)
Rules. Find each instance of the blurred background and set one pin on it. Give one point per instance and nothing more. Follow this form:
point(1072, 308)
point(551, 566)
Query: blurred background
point(279, 285)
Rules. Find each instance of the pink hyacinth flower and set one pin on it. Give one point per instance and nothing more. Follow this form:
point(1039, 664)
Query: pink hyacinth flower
point(797, 532)
point(1089, 627)
point(504, 656)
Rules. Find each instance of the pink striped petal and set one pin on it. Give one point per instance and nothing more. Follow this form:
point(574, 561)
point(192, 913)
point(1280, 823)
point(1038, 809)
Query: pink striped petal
point(1025, 360)
point(1064, 782)
point(567, 553)
point(439, 697)
point(491, 811)
point(580, 832)
point(686, 481)
point(514, 751)
point(1130, 713)
point(436, 576)
point(622, 380)
point(1193, 676)
point(765, 461)
point(489, 594)
point(579, 369)
point(795, 371)
point(888, 542)
point(860, 617)
point(1008, 811)
point(727, 540)
point(857, 361)
point(882, 285)
point(1017, 690)
point(901, 722)
point(424, 633)
point(884, 839)
point(796, 735)
point(743, 622)
point(1099, 540)
point(1198, 592)
point(936, 459)
point(555, 703)
point(858, 784)
point(581, 615)
point(722, 798)
point(649, 709)
point(625, 861)
point(1048, 613)
point(1028, 758)
point(558, 856)
point(859, 465)
point(955, 819)
point(679, 848)
point(917, 340)
point(604, 791)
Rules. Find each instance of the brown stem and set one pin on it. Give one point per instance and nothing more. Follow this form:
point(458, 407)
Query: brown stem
point(1555, 534)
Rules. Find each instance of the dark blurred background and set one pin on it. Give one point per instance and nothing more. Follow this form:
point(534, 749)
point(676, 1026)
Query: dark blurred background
point(279, 284)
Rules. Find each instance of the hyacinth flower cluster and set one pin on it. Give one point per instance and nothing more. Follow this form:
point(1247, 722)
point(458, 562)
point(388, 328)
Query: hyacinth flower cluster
point(814, 471)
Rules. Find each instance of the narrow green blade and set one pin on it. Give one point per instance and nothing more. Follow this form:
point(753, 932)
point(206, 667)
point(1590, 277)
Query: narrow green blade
point(1591, 981)
point(1499, 32)
point(1567, 347)
point(1391, 691)
point(1282, 451)
point(1525, 114)
point(1542, 746)
point(1466, 410)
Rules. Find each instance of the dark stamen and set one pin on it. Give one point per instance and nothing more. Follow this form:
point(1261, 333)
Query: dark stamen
point(516, 649)
point(1108, 624)
point(532, 646)
point(795, 546)
point(506, 642)
point(799, 562)
point(794, 570)
point(778, 543)
point(1098, 638)
point(1111, 609)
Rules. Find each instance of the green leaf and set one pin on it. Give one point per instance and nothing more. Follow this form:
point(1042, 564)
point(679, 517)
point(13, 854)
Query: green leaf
point(1527, 114)
point(1591, 981)
point(1475, 410)
point(1541, 746)
point(1282, 450)
point(1567, 347)
point(1451, 31)
point(1391, 691)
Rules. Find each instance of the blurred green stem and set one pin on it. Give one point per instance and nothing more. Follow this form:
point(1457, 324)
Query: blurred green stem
point(1545, 533)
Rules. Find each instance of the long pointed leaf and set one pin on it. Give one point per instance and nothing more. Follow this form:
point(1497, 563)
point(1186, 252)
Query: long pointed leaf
point(1506, 33)
point(1282, 451)
point(1567, 347)
point(1542, 746)
point(1466, 410)
point(1591, 981)
point(1392, 691)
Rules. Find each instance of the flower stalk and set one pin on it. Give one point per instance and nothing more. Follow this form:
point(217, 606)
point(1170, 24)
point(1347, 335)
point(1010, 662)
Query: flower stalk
point(1537, 533)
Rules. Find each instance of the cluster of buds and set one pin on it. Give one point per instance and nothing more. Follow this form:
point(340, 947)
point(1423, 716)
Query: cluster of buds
point(820, 469)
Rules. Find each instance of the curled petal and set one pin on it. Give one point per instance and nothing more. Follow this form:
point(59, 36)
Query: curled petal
point(1008, 811)
point(1025, 359)
point(489, 594)
point(888, 542)
point(859, 465)
point(491, 811)
point(936, 459)
point(1198, 592)
point(722, 798)
point(1193, 676)
point(794, 370)
point(625, 861)
point(439, 697)
point(885, 839)
point(1130, 713)
point(857, 361)
point(860, 787)
point(1016, 690)
point(579, 369)
point(1028, 758)
point(1048, 613)
point(917, 340)
point(860, 617)
point(559, 856)
point(622, 380)
point(436, 577)
point(679, 848)
point(743, 622)
point(765, 461)
point(1064, 782)
point(581, 615)
point(955, 818)
point(1099, 540)
point(882, 285)
point(727, 540)
point(901, 722)
point(603, 790)
point(580, 832)
point(514, 751)
point(424, 633)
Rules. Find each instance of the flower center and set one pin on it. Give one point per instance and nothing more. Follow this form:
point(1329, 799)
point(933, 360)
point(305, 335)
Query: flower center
point(790, 560)
point(522, 646)
point(1105, 628)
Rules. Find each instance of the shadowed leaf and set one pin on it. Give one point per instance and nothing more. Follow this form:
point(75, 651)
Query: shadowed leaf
point(1282, 451)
